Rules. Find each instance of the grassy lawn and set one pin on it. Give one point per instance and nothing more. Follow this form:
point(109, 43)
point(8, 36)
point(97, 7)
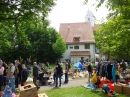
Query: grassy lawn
point(75, 92)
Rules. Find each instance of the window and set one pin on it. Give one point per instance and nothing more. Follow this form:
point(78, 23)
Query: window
point(87, 46)
point(71, 47)
point(76, 47)
point(76, 39)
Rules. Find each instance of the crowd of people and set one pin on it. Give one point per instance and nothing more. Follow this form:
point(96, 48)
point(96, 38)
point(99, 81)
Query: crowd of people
point(13, 74)
point(58, 72)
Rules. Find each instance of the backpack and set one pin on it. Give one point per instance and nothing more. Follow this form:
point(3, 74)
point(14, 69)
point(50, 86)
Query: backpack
point(59, 69)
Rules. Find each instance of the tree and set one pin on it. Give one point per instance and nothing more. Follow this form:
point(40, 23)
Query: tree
point(116, 30)
point(22, 13)
point(15, 17)
point(42, 41)
point(25, 10)
point(59, 46)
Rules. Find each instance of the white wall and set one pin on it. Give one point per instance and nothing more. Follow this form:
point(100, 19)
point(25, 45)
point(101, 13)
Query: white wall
point(66, 55)
point(77, 58)
point(92, 50)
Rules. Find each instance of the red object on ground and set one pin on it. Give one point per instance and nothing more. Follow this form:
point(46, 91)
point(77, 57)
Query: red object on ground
point(103, 82)
point(111, 86)
point(100, 85)
point(109, 83)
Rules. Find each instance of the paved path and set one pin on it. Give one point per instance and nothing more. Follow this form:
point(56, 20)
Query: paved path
point(71, 83)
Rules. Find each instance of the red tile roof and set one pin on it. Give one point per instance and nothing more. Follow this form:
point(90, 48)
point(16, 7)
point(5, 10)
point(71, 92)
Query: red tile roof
point(70, 30)
point(79, 53)
point(95, 28)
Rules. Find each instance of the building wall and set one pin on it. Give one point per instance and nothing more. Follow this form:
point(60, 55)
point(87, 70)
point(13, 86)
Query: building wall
point(75, 59)
point(66, 55)
point(92, 51)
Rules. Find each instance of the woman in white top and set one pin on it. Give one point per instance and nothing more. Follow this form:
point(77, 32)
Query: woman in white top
point(1, 75)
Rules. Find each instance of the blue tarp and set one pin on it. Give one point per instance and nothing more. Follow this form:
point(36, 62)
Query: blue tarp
point(79, 65)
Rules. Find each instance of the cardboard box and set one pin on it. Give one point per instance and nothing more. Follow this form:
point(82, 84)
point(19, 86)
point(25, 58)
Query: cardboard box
point(126, 89)
point(28, 90)
point(42, 95)
point(118, 88)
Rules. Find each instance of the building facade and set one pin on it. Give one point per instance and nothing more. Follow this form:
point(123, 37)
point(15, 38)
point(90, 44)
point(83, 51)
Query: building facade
point(79, 39)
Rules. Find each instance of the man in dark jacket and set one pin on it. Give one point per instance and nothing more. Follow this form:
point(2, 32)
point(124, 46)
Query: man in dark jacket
point(59, 72)
point(24, 75)
point(35, 74)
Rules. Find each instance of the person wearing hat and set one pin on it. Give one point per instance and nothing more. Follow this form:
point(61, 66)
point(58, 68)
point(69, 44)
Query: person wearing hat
point(1, 75)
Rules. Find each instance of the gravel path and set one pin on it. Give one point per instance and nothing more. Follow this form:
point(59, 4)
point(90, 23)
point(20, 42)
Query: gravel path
point(71, 83)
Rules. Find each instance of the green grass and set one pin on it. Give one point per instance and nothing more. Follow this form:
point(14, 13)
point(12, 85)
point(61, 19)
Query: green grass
point(75, 92)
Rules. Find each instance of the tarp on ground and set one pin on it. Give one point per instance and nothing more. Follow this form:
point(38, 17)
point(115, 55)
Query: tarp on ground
point(79, 65)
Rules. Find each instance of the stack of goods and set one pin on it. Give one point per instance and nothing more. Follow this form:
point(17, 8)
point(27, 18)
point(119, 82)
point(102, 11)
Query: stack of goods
point(80, 74)
point(122, 88)
point(85, 73)
point(76, 75)
point(70, 74)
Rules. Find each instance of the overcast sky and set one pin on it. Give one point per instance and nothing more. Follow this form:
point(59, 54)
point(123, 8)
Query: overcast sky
point(71, 11)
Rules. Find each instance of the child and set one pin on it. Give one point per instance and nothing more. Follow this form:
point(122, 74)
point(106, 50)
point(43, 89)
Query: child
point(93, 80)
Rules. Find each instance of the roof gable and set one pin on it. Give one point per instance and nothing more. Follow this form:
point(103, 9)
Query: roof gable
point(84, 30)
